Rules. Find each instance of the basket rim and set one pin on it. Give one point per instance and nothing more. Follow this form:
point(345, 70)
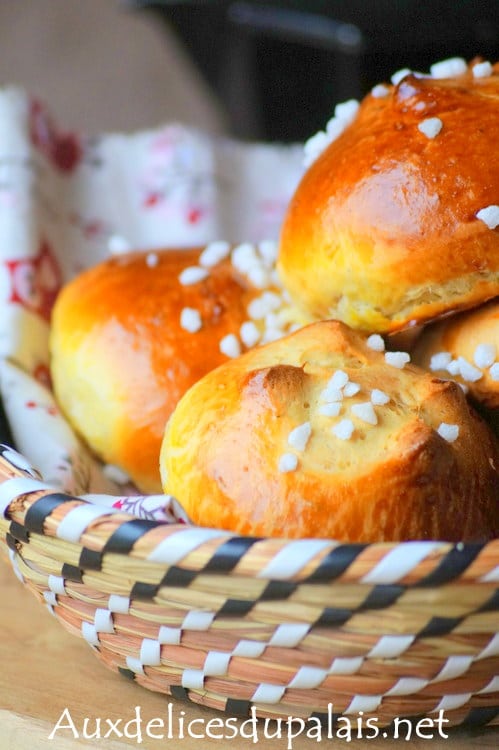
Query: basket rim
point(35, 507)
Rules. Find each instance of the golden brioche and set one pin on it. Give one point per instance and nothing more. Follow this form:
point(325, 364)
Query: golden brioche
point(323, 434)
point(395, 222)
point(465, 347)
point(130, 335)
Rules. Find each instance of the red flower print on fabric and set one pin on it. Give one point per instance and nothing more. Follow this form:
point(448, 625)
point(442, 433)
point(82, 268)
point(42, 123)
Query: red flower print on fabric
point(41, 373)
point(64, 150)
point(50, 409)
point(34, 282)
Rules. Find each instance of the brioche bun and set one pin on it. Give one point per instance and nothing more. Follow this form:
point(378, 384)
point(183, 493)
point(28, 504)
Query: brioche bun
point(465, 347)
point(132, 334)
point(263, 445)
point(394, 223)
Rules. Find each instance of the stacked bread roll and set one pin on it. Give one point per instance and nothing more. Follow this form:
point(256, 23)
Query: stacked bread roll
point(320, 434)
point(394, 224)
point(329, 430)
point(132, 334)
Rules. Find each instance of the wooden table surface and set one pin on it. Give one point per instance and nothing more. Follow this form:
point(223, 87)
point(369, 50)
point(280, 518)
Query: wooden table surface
point(45, 670)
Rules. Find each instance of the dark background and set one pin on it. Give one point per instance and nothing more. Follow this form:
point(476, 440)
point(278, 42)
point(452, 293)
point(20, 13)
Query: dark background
point(279, 66)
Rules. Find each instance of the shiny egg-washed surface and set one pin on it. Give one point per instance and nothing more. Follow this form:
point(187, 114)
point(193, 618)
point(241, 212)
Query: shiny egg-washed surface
point(415, 462)
point(384, 228)
point(130, 335)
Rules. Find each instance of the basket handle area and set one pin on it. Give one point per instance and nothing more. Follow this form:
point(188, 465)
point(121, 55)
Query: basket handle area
point(31, 506)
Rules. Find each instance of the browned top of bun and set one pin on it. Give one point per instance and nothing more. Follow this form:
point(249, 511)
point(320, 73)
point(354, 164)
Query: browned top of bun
point(318, 435)
point(122, 356)
point(383, 229)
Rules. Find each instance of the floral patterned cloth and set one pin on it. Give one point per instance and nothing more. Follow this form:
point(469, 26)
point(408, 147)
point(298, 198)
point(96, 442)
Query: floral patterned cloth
point(66, 202)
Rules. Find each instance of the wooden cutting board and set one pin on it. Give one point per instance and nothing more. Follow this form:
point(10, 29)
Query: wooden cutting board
point(44, 671)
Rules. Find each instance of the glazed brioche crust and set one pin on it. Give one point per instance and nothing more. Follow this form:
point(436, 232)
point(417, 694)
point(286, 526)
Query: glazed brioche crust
point(383, 230)
point(121, 357)
point(462, 336)
point(394, 480)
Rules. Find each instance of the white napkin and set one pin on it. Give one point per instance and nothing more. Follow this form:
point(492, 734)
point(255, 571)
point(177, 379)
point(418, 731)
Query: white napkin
point(66, 202)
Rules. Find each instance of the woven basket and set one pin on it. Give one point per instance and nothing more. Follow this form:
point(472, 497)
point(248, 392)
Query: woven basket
point(293, 628)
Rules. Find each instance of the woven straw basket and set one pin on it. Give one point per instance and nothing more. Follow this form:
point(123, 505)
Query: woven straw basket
point(287, 627)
